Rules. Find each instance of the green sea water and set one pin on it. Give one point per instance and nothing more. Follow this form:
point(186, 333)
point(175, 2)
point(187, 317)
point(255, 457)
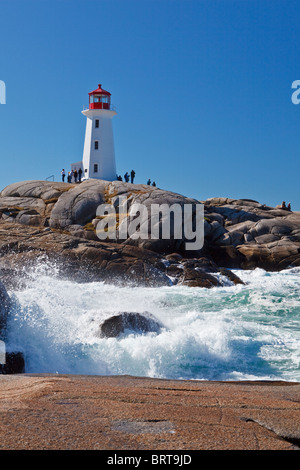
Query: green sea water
point(243, 332)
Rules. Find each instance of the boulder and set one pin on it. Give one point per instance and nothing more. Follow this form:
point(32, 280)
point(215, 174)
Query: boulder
point(15, 363)
point(43, 190)
point(79, 204)
point(174, 257)
point(30, 217)
point(199, 278)
point(217, 231)
point(137, 322)
point(276, 256)
point(231, 276)
point(227, 256)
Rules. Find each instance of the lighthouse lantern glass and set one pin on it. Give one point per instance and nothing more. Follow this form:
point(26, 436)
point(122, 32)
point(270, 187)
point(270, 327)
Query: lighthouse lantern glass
point(100, 101)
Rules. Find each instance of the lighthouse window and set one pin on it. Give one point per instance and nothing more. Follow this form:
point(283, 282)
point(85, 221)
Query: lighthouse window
point(96, 144)
point(95, 167)
point(101, 99)
point(97, 123)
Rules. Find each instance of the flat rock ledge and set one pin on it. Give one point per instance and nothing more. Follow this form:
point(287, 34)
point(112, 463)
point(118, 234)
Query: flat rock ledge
point(56, 412)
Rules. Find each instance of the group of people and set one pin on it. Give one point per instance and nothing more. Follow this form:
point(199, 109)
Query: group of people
point(127, 177)
point(286, 207)
point(131, 177)
point(73, 175)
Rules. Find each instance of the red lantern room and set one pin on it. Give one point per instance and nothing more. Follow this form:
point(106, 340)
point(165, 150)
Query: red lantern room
point(99, 99)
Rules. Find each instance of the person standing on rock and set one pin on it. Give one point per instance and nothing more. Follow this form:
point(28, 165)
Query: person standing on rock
point(75, 175)
point(154, 184)
point(79, 175)
point(132, 175)
point(149, 182)
point(63, 174)
point(126, 177)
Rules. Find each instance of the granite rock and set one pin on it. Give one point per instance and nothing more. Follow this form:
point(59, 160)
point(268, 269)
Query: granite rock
point(132, 321)
point(60, 221)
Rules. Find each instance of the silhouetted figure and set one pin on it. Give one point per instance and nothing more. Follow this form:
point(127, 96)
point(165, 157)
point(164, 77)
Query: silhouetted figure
point(79, 175)
point(289, 206)
point(63, 174)
point(69, 177)
point(119, 178)
point(75, 175)
point(132, 174)
point(154, 184)
point(149, 182)
point(126, 177)
point(283, 206)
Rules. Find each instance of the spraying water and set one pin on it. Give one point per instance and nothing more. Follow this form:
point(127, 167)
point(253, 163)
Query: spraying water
point(225, 333)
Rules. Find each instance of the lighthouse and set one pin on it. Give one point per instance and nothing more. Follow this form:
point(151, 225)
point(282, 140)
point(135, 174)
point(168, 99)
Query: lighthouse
point(98, 152)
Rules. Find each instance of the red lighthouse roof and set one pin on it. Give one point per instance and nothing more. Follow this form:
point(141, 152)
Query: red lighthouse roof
point(100, 91)
point(99, 98)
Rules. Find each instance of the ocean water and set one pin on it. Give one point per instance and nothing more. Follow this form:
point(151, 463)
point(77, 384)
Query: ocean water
point(249, 332)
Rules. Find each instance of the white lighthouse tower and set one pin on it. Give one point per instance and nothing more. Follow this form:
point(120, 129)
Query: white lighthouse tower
point(99, 153)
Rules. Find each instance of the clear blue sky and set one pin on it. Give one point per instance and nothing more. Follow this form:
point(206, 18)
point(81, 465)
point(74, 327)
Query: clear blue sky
point(202, 89)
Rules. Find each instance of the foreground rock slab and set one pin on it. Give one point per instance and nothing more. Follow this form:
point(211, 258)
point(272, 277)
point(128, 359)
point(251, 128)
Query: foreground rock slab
point(130, 413)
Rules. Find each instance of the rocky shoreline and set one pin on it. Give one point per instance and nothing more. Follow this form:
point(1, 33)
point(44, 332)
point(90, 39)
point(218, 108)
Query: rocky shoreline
point(54, 225)
point(56, 222)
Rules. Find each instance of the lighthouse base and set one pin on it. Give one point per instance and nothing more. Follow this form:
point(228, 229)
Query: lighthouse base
point(84, 176)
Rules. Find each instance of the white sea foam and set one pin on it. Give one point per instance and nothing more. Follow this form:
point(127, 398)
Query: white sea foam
point(225, 333)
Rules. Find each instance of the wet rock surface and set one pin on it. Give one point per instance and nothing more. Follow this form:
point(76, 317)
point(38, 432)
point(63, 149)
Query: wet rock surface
point(132, 321)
